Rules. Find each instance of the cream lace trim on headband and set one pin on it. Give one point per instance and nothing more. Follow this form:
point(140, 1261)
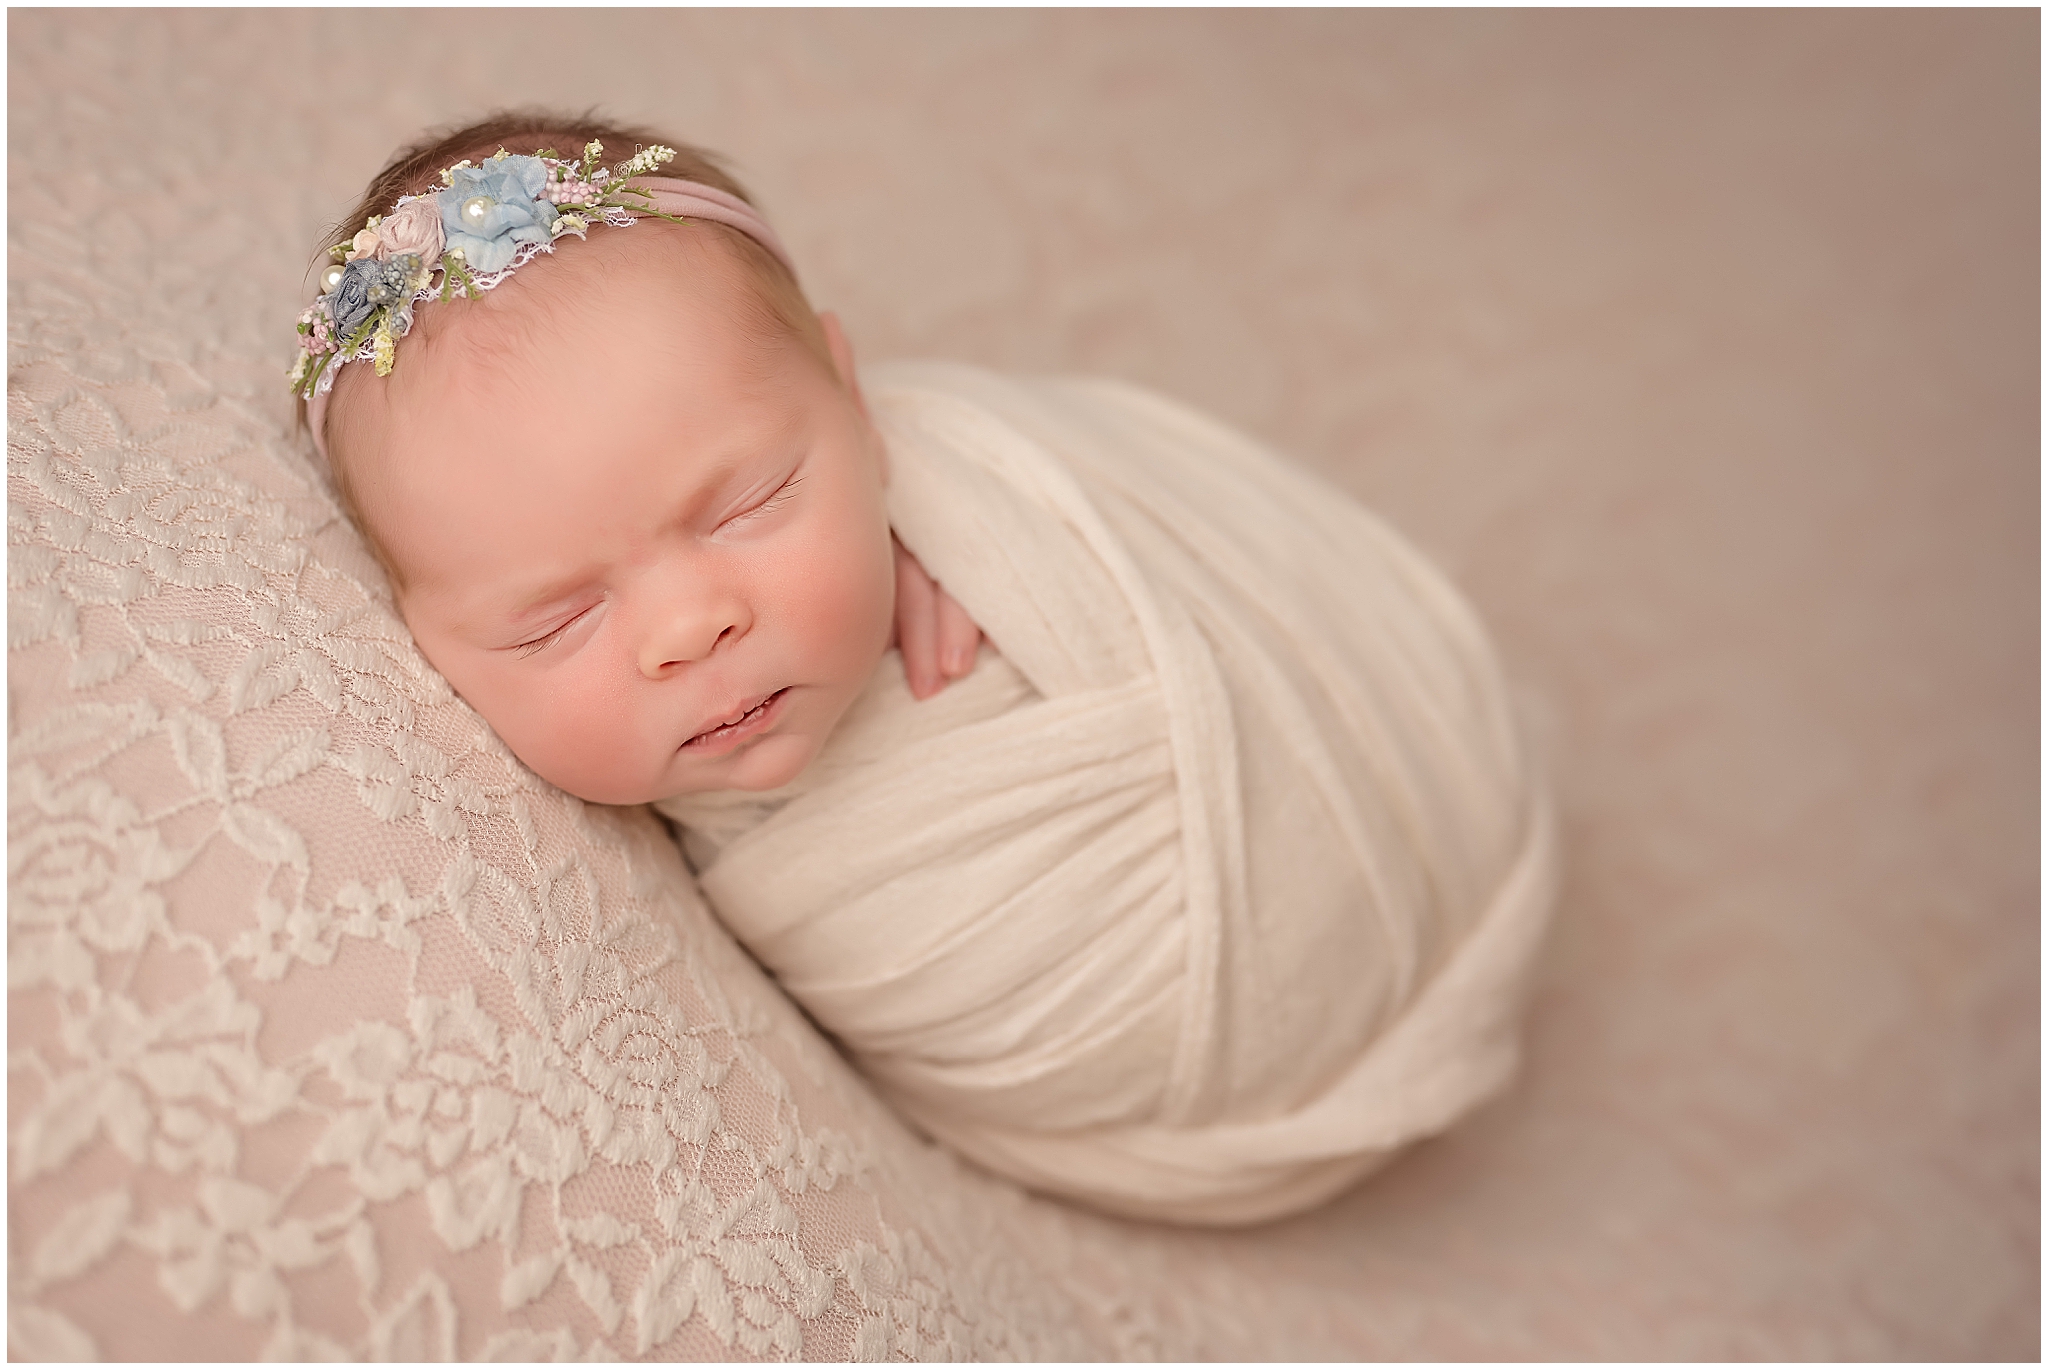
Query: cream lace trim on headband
point(481, 281)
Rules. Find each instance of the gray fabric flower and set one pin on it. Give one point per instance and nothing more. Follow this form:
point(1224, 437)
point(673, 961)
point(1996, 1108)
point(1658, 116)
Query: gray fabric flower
point(350, 305)
point(511, 212)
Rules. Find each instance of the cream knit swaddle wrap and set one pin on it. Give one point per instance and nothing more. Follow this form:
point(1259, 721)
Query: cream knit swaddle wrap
point(1219, 883)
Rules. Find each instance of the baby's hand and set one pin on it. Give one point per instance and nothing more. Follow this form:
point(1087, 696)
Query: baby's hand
point(936, 636)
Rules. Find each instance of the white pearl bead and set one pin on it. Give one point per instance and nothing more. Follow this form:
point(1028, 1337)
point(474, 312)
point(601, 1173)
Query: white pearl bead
point(475, 208)
point(329, 279)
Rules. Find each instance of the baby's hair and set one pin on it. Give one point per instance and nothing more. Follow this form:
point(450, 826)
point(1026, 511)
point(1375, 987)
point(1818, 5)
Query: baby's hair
point(416, 170)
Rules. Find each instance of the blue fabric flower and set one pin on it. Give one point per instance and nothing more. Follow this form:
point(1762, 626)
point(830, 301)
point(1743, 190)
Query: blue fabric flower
point(516, 215)
point(349, 304)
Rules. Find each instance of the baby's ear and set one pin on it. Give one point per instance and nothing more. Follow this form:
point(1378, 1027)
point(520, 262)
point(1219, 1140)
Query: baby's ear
point(842, 362)
point(842, 357)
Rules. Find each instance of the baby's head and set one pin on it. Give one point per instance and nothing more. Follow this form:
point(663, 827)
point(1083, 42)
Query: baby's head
point(629, 499)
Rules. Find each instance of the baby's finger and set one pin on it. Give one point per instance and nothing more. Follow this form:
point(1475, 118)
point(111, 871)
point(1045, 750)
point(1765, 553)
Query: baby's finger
point(916, 625)
point(958, 636)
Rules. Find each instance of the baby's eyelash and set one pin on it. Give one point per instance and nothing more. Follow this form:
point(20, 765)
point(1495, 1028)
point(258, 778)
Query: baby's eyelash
point(776, 500)
point(539, 643)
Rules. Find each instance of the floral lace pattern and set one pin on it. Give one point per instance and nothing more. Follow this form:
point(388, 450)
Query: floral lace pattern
point(365, 1041)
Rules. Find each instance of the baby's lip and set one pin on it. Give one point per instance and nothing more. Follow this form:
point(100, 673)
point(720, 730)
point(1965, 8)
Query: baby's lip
point(732, 715)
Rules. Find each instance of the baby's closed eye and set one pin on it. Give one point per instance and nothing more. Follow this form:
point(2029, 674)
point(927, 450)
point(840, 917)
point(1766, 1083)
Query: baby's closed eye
point(785, 492)
point(553, 635)
point(780, 496)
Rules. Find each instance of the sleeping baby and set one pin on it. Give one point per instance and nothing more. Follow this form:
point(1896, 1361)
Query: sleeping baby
point(1141, 815)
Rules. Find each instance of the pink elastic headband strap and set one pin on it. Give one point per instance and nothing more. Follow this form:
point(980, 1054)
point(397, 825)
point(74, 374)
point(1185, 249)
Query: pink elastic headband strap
point(689, 200)
point(683, 199)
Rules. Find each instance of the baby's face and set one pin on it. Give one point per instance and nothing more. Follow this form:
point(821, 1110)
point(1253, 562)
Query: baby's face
point(640, 532)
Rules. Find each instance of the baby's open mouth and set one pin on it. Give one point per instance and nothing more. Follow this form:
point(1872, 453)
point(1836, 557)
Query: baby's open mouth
point(749, 721)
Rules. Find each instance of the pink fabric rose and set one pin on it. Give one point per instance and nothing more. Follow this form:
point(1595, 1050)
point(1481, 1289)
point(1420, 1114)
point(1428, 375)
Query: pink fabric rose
point(414, 228)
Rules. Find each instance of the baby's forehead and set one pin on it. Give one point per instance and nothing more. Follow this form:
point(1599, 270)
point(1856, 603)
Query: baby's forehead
point(652, 288)
point(650, 264)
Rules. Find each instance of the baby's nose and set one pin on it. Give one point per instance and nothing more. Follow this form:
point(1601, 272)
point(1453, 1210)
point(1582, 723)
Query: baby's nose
point(690, 632)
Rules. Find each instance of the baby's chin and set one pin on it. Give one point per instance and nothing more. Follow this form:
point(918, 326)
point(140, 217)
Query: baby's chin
point(766, 764)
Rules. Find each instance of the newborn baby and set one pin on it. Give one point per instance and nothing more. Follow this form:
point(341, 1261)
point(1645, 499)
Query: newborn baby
point(1207, 884)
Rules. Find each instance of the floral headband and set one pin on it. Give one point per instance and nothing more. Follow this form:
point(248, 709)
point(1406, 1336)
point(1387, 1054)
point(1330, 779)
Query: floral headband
point(490, 220)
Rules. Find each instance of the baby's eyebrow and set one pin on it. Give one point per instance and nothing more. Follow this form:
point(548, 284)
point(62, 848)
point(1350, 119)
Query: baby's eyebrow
point(536, 608)
point(717, 476)
point(752, 457)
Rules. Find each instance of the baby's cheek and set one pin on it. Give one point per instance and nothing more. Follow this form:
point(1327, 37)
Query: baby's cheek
point(844, 599)
point(578, 730)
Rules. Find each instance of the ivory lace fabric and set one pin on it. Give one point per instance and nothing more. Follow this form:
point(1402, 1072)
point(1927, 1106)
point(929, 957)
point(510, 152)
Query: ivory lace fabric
point(1217, 881)
point(333, 1032)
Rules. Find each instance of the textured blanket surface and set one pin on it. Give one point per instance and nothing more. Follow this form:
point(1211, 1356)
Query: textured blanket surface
point(1219, 882)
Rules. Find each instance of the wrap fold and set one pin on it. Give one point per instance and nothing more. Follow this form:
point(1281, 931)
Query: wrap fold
point(1217, 881)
